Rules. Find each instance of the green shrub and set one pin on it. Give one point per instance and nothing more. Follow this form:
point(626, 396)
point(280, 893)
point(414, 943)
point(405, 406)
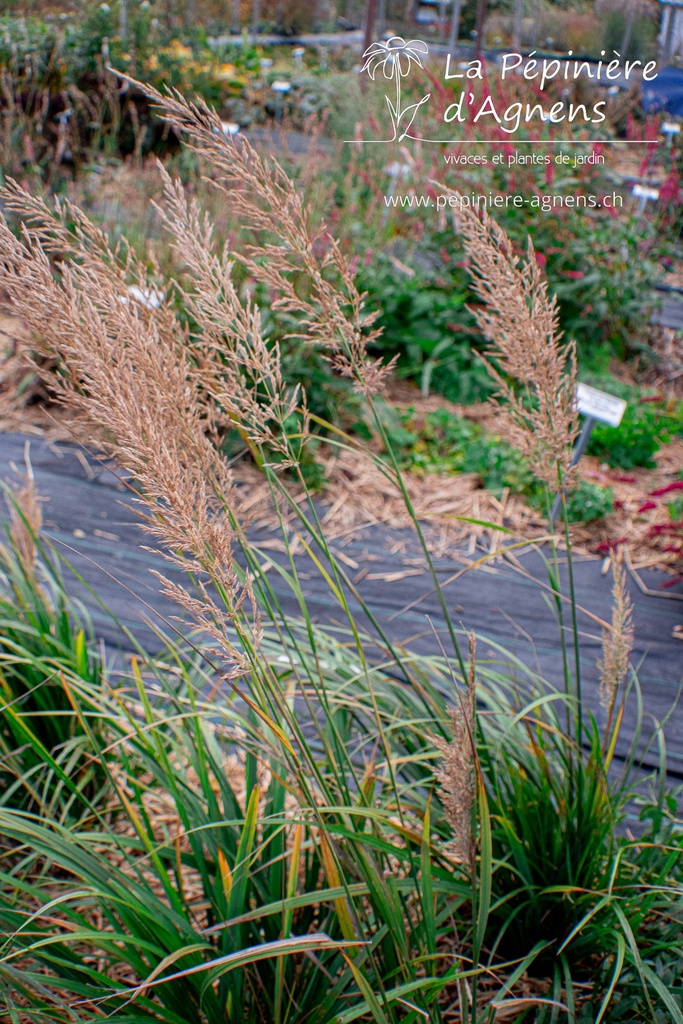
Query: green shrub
point(424, 321)
point(645, 427)
point(643, 38)
point(447, 443)
point(588, 501)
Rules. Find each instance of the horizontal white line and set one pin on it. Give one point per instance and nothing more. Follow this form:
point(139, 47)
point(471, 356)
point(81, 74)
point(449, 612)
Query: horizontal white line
point(518, 142)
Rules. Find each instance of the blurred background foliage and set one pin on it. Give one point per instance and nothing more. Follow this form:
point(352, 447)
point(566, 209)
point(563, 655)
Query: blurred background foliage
point(71, 126)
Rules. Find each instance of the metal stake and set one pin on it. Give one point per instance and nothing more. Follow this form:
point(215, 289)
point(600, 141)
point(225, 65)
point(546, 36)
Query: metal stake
point(579, 449)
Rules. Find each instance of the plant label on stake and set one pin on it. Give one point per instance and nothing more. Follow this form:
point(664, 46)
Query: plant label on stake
point(643, 193)
point(594, 405)
point(395, 171)
point(280, 87)
point(599, 405)
point(669, 129)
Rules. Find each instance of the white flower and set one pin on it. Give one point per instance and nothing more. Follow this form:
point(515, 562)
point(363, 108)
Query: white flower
point(394, 57)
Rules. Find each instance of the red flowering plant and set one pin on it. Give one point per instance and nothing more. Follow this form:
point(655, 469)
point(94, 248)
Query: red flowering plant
point(670, 534)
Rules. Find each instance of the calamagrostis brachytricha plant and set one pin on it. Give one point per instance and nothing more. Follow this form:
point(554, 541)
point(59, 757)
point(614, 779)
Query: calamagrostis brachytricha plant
point(456, 775)
point(617, 643)
point(159, 389)
point(520, 322)
point(159, 393)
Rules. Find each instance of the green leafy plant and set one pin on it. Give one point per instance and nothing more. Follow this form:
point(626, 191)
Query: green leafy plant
point(588, 501)
point(46, 654)
point(443, 442)
point(424, 321)
point(646, 425)
point(675, 509)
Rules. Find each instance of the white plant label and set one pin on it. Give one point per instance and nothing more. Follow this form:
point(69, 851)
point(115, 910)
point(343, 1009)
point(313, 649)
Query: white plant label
point(645, 192)
point(599, 405)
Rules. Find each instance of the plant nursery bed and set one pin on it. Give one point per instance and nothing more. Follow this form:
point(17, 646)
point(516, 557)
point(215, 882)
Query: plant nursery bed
point(455, 507)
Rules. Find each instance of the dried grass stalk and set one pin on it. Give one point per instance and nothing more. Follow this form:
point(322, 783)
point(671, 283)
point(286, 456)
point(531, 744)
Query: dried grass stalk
point(520, 322)
point(303, 268)
point(456, 775)
point(25, 517)
point(617, 642)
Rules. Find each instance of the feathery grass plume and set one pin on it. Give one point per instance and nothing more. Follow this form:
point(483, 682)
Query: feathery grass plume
point(127, 368)
point(520, 322)
point(617, 642)
point(246, 380)
point(267, 201)
point(158, 393)
point(456, 775)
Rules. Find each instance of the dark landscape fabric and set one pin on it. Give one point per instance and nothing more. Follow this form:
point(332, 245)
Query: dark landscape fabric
point(91, 520)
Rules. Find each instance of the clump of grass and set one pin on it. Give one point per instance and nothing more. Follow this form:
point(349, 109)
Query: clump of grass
point(326, 888)
point(46, 655)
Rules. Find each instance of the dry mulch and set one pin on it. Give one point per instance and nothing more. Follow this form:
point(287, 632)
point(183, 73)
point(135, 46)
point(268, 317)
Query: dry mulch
point(357, 495)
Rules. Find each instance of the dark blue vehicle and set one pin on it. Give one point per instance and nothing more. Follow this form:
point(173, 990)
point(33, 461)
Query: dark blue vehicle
point(664, 93)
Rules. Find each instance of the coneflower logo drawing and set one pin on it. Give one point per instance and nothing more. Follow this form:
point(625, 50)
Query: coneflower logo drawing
point(395, 57)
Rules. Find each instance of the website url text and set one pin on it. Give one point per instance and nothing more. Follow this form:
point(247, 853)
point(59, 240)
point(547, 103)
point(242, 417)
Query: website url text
point(483, 201)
